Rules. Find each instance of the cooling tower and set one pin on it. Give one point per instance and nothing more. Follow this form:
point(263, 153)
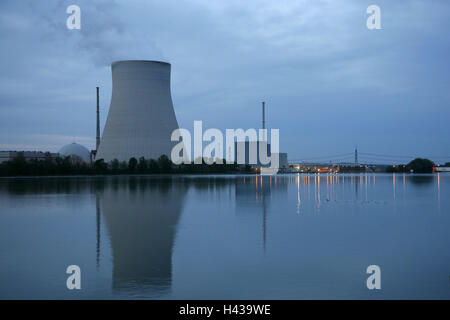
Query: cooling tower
point(141, 116)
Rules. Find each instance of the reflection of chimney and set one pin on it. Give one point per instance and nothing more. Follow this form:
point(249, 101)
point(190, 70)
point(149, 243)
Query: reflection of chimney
point(97, 205)
point(97, 142)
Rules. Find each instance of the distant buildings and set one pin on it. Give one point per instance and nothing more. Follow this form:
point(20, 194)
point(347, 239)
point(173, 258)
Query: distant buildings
point(283, 159)
point(247, 152)
point(28, 155)
point(327, 168)
point(76, 152)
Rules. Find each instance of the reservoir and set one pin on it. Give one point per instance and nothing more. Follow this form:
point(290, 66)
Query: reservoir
point(226, 236)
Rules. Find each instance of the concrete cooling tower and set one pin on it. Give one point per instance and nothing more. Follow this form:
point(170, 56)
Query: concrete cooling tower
point(141, 116)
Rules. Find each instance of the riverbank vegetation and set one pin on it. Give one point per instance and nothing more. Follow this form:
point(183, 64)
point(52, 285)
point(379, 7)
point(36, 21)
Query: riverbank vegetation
point(20, 166)
point(417, 165)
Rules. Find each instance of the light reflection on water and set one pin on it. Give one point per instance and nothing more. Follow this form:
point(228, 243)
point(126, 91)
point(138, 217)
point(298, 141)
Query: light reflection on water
point(189, 237)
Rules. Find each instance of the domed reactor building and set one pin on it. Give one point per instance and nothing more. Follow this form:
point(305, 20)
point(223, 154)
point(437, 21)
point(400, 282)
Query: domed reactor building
point(141, 118)
point(76, 151)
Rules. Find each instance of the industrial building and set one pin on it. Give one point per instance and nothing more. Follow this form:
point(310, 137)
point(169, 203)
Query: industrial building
point(141, 120)
point(283, 159)
point(76, 152)
point(247, 152)
point(141, 117)
point(27, 155)
point(441, 169)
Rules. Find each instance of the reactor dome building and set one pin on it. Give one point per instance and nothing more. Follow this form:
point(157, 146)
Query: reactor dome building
point(141, 117)
point(76, 151)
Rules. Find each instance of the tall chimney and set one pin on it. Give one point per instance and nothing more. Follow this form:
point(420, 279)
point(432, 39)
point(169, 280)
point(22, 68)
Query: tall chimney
point(264, 119)
point(264, 115)
point(97, 142)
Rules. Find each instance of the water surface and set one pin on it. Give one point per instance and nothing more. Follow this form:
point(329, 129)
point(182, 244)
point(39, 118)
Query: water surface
point(226, 237)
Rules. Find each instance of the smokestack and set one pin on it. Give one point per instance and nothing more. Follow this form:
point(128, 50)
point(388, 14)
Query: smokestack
point(97, 142)
point(264, 115)
point(264, 119)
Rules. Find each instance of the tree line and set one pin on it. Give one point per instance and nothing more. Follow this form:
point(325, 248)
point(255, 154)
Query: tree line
point(418, 165)
point(19, 166)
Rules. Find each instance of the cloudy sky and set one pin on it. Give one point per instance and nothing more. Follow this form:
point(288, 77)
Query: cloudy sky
point(329, 83)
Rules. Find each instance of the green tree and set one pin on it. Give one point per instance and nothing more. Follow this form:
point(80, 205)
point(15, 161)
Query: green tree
point(132, 164)
point(115, 165)
point(420, 165)
point(153, 166)
point(123, 167)
point(18, 166)
point(397, 168)
point(3, 169)
point(63, 165)
point(142, 165)
point(164, 164)
point(391, 169)
point(100, 166)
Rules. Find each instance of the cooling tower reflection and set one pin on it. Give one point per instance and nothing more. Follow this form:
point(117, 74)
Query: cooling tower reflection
point(141, 216)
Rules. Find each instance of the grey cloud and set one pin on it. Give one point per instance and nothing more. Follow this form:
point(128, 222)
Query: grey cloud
point(330, 83)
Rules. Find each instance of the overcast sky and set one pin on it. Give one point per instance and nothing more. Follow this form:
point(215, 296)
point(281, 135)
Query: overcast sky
point(329, 83)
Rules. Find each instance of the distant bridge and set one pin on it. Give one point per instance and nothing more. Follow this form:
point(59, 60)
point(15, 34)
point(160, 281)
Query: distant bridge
point(364, 158)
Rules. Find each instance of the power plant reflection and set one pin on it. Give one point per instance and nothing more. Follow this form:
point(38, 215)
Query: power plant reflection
point(141, 216)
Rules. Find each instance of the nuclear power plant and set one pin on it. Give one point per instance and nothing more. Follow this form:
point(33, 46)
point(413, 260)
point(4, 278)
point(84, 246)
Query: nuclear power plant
point(140, 121)
point(141, 117)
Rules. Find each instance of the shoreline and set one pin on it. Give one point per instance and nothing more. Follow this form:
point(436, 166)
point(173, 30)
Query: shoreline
point(217, 174)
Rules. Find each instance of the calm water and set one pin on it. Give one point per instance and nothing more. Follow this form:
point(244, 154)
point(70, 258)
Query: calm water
point(231, 237)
